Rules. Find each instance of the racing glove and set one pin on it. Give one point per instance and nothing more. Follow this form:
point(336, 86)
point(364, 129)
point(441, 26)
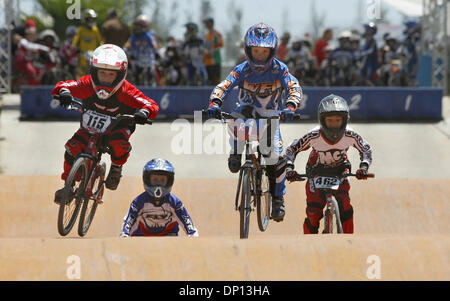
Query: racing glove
point(291, 174)
point(288, 113)
point(65, 98)
point(141, 116)
point(361, 173)
point(214, 110)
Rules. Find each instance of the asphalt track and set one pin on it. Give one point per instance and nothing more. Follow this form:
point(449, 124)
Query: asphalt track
point(401, 218)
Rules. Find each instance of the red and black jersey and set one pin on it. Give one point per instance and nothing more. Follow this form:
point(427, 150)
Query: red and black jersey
point(125, 101)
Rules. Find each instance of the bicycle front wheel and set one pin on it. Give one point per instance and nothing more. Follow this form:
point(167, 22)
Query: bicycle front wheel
point(72, 196)
point(337, 214)
point(328, 222)
point(90, 204)
point(263, 201)
point(244, 207)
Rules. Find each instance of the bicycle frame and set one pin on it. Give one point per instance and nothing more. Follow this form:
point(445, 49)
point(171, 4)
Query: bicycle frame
point(94, 150)
point(94, 158)
point(253, 163)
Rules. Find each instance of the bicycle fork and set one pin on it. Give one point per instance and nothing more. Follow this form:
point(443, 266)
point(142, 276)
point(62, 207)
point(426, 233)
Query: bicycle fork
point(332, 210)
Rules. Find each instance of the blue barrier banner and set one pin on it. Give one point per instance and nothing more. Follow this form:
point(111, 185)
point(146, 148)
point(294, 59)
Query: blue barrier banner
point(378, 103)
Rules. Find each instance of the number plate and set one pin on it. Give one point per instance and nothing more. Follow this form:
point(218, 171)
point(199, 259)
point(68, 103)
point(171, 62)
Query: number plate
point(95, 122)
point(327, 182)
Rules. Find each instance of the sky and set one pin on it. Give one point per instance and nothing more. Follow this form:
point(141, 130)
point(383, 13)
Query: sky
point(291, 15)
point(277, 13)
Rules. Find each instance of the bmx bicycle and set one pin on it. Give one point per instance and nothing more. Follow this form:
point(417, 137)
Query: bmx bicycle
point(328, 184)
point(253, 185)
point(84, 186)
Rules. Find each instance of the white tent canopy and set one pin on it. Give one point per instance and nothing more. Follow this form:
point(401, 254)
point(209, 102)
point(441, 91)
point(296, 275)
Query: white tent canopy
point(411, 8)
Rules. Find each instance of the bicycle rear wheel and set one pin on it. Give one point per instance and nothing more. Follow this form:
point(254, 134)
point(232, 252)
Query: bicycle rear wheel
point(244, 207)
point(72, 196)
point(263, 201)
point(90, 204)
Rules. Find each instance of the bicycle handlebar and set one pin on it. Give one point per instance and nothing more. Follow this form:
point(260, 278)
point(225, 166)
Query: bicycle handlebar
point(224, 116)
point(55, 103)
point(302, 177)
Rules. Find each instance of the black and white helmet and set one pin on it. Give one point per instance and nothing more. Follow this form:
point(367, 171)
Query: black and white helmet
point(333, 105)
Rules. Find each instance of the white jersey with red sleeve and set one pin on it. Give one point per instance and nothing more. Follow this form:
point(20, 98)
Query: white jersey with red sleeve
point(326, 154)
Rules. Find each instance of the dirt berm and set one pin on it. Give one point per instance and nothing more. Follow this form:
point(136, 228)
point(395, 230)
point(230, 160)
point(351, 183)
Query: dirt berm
point(401, 233)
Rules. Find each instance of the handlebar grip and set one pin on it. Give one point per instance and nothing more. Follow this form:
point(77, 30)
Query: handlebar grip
point(371, 175)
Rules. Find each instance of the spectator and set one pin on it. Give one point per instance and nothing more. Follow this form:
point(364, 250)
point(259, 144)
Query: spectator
point(194, 50)
point(213, 59)
point(27, 53)
point(307, 42)
point(369, 56)
point(114, 31)
point(68, 53)
point(321, 45)
point(300, 61)
point(341, 67)
point(86, 40)
point(144, 52)
point(282, 50)
point(172, 63)
point(411, 43)
point(49, 38)
point(355, 40)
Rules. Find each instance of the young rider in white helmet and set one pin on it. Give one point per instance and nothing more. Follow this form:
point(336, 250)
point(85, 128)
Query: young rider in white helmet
point(106, 91)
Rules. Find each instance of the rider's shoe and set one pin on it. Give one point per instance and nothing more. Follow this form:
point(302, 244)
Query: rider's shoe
point(114, 175)
point(60, 193)
point(234, 162)
point(278, 209)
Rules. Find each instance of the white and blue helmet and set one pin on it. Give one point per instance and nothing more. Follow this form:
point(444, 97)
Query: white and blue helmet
point(158, 166)
point(260, 35)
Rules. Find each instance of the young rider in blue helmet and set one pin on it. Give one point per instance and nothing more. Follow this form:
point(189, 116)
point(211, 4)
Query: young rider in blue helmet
point(157, 211)
point(266, 89)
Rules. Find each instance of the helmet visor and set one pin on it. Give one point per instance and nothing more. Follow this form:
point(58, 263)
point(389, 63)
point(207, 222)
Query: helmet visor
point(334, 120)
point(106, 78)
point(158, 178)
point(260, 55)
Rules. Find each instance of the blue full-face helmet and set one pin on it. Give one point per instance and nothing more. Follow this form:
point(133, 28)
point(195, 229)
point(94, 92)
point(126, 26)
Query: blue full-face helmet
point(260, 35)
point(158, 166)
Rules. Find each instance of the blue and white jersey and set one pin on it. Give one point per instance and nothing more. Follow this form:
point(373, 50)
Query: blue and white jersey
point(146, 219)
point(369, 54)
point(143, 49)
point(267, 92)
